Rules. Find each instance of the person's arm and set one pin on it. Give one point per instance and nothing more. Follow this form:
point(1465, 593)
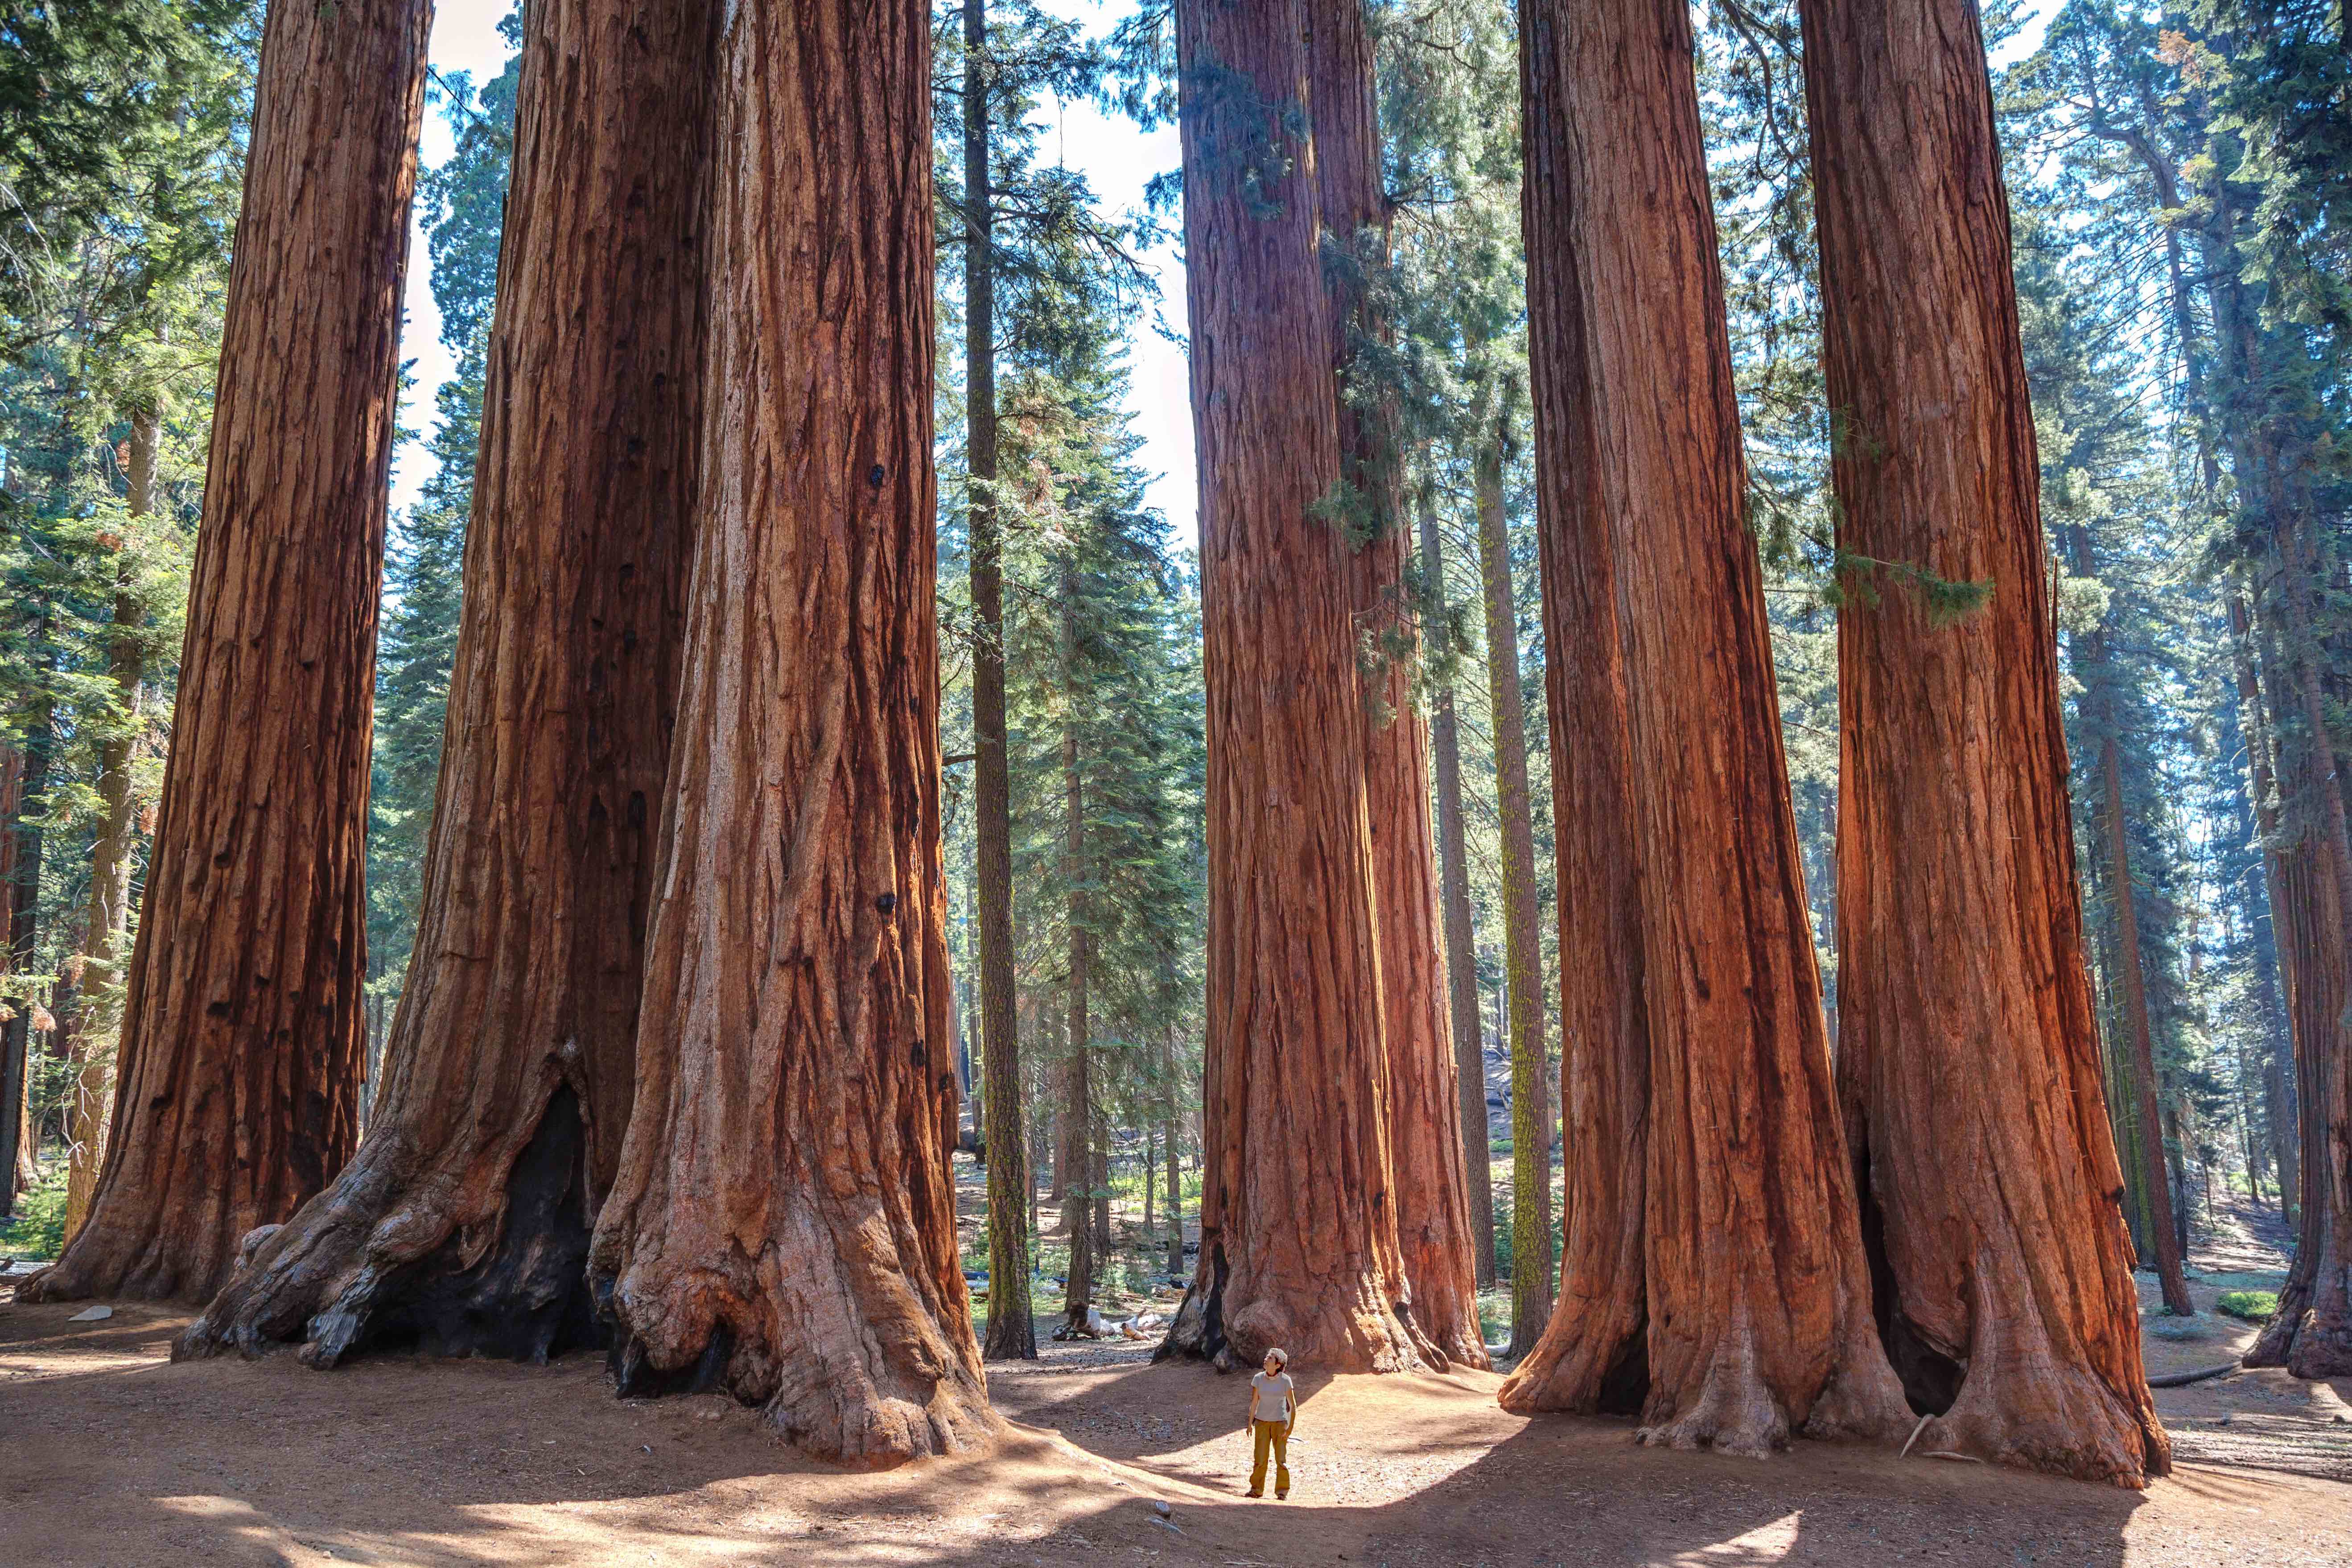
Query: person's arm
point(1290, 1408)
point(1253, 1411)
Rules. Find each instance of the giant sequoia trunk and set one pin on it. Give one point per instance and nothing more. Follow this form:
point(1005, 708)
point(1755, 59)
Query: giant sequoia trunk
point(1531, 1120)
point(1012, 1335)
point(1433, 1213)
point(243, 1034)
point(1461, 952)
point(1714, 1276)
point(783, 1226)
point(1967, 1054)
point(16, 1167)
point(462, 1223)
point(1298, 1217)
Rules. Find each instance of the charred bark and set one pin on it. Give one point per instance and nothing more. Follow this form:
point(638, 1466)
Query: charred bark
point(462, 1222)
point(1299, 1219)
point(1461, 952)
point(1971, 1071)
point(242, 1042)
point(781, 1226)
point(1715, 1275)
point(17, 1170)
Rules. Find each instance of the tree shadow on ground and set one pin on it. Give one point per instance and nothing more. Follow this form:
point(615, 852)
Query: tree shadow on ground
point(114, 1456)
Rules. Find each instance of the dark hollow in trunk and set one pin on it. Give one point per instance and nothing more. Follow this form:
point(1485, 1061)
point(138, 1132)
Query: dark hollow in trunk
point(521, 1001)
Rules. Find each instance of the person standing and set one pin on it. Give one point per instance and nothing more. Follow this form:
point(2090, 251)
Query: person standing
point(1273, 1411)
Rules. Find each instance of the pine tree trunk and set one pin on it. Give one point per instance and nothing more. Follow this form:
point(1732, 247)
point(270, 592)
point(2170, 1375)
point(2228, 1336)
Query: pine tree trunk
point(1432, 1212)
point(1079, 1292)
point(1461, 952)
point(1532, 1276)
point(2276, 980)
point(1298, 1219)
point(1175, 1176)
point(1968, 1058)
point(243, 1039)
point(462, 1224)
point(1012, 1335)
point(1715, 1276)
point(2148, 1142)
point(2312, 1334)
point(29, 789)
point(105, 916)
point(781, 1226)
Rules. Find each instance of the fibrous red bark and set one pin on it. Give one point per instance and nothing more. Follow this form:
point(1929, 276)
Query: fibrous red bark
point(1967, 1052)
point(1433, 1210)
point(1298, 1219)
point(243, 1047)
point(782, 1225)
point(462, 1224)
point(1714, 1276)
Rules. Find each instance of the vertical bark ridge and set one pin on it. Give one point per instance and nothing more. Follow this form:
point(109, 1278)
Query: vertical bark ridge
point(1298, 1219)
point(1996, 1201)
point(782, 1225)
point(1433, 1210)
point(1738, 1256)
point(462, 1223)
point(243, 1038)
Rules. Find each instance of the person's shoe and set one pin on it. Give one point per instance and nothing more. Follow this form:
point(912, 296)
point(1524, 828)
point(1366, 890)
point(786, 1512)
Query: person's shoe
point(1255, 1492)
point(1282, 1497)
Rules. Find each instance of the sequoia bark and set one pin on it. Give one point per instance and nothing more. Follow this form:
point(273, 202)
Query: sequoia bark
point(1716, 1278)
point(1432, 1212)
point(243, 1039)
point(463, 1221)
point(1971, 1071)
point(1299, 1216)
point(781, 1226)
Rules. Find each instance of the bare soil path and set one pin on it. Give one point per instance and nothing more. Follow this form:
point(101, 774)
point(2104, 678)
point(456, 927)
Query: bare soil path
point(112, 1456)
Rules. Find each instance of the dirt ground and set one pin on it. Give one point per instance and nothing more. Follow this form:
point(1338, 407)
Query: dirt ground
point(112, 1455)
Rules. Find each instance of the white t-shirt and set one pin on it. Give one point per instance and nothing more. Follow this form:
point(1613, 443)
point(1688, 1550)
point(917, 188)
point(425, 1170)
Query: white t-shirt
point(1273, 1395)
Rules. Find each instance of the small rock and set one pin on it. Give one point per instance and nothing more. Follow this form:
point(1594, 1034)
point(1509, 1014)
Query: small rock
point(91, 1315)
point(1161, 1509)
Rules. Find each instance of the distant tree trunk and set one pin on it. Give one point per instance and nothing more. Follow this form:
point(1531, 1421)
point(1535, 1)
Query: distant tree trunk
point(1175, 1176)
point(1432, 1212)
point(1461, 952)
point(17, 1168)
point(105, 916)
point(462, 1224)
point(1012, 1335)
point(1078, 1190)
point(2155, 1184)
point(1715, 1276)
point(30, 780)
point(244, 1037)
point(1532, 1278)
point(2277, 977)
point(2312, 1334)
point(1298, 1222)
point(782, 1225)
point(1969, 1059)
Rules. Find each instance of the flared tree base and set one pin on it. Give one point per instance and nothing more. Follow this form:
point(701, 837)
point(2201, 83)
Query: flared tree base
point(384, 1259)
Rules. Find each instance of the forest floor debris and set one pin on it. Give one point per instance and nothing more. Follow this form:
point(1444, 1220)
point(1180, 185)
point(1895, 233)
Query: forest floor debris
point(115, 1457)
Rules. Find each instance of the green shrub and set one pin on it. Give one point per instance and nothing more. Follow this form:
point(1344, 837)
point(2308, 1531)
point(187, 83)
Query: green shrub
point(40, 1229)
point(2254, 1306)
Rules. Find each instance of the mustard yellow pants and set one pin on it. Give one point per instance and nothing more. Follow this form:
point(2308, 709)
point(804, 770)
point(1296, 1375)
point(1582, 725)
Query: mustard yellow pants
point(1275, 1435)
